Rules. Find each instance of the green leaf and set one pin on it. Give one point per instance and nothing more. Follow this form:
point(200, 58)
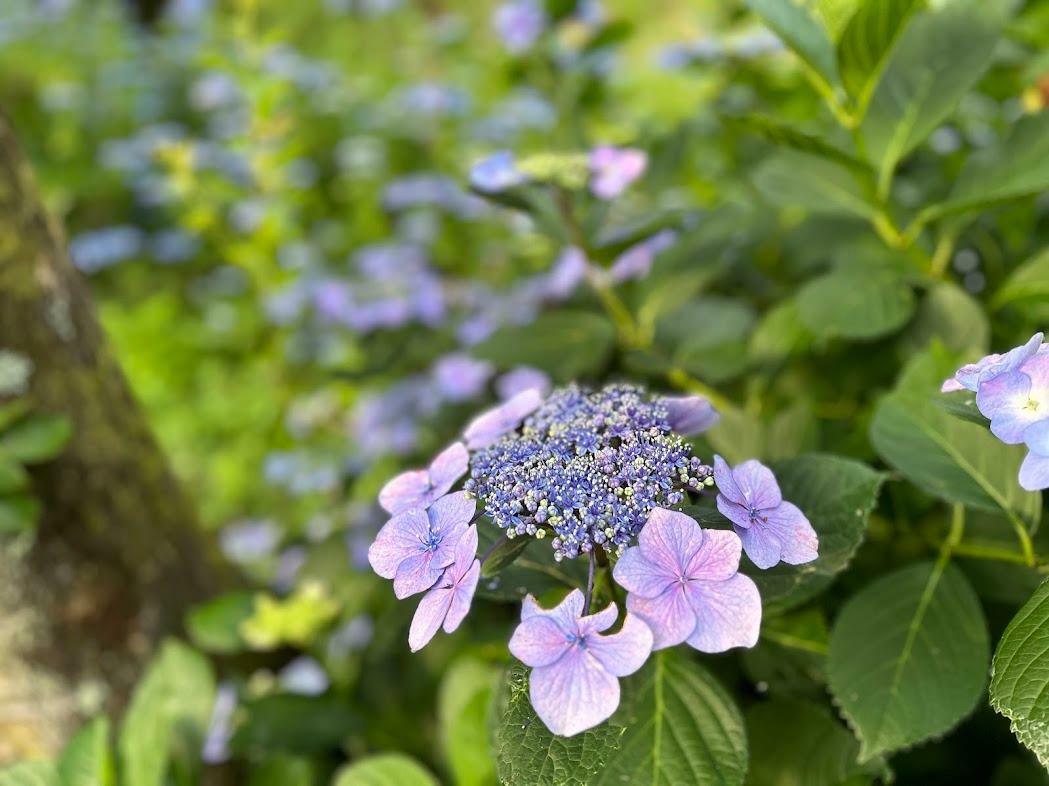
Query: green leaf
point(856, 304)
point(503, 555)
point(87, 759)
point(779, 333)
point(1028, 282)
point(837, 495)
point(463, 704)
point(801, 31)
point(866, 43)
point(951, 316)
point(13, 477)
point(943, 455)
point(783, 135)
point(567, 344)
point(798, 743)
point(817, 184)
point(939, 56)
point(36, 438)
point(527, 754)
point(284, 770)
point(532, 571)
point(215, 625)
point(707, 336)
point(168, 716)
point(682, 726)
point(30, 773)
point(908, 657)
point(18, 514)
point(1019, 679)
point(292, 723)
point(384, 769)
point(1017, 167)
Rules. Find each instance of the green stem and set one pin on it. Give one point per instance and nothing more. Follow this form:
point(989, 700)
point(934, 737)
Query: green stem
point(954, 536)
point(981, 551)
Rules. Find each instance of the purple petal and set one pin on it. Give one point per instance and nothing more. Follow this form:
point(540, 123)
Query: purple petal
point(428, 617)
point(465, 552)
point(757, 484)
point(407, 490)
point(401, 537)
point(418, 573)
point(573, 694)
point(1011, 360)
point(521, 379)
point(761, 545)
point(718, 557)
point(449, 465)
point(669, 616)
point(670, 539)
point(637, 575)
point(596, 623)
point(951, 385)
point(462, 597)
point(487, 428)
point(734, 512)
point(727, 613)
point(1037, 437)
point(1005, 400)
point(530, 607)
point(798, 540)
point(1034, 472)
point(690, 415)
point(566, 613)
point(725, 481)
point(538, 641)
point(624, 652)
point(450, 515)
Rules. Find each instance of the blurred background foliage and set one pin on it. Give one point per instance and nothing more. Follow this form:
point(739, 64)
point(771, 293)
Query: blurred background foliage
point(271, 202)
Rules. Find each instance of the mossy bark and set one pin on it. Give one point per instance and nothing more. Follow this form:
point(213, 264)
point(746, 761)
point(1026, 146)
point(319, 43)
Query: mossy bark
point(118, 555)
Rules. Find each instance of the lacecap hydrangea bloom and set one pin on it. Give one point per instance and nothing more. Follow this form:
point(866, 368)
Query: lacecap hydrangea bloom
point(597, 473)
point(1012, 392)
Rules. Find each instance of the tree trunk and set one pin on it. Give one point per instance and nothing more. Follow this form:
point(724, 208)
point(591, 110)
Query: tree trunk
point(118, 555)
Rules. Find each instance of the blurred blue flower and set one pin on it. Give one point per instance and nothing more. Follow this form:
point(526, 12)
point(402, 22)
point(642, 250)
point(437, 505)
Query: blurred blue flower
point(102, 248)
point(519, 23)
point(459, 377)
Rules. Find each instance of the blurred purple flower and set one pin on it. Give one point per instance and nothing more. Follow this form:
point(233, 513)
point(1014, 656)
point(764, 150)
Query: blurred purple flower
point(1034, 472)
point(689, 415)
point(220, 726)
point(414, 547)
point(521, 379)
point(969, 377)
point(102, 248)
point(683, 582)
point(771, 529)
point(1013, 400)
point(459, 377)
point(496, 173)
point(249, 540)
point(420, 488)
point(448, 602)
point(488, 427)
point(333, 300)
point(573, 685)
point(304, 676)
point(636, 261)
point(566, 274)
point(519, 23)
point(615, 168)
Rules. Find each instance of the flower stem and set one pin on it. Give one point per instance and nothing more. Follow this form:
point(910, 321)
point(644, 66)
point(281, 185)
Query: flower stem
point(589, 583)
point(491, 549)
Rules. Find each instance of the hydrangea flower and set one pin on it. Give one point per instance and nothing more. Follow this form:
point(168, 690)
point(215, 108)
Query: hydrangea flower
point(589, 466)
point(488, 427)
point(690, 415)
point(1013, 400)
point(415, 546)
point(772, 530)
point(970, 377)
point(521, 379)
point(496, 173)
point(1034, 472)
point(519, 23)
point(448, 601)
point(420, 488)
point(683, 581)
point(574, 682)
point(615, 168)
point(636, 261)
point(460, 377)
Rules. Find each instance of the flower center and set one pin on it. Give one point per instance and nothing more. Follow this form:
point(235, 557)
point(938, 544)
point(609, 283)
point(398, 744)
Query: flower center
point(432, 540)
point(1031, 404)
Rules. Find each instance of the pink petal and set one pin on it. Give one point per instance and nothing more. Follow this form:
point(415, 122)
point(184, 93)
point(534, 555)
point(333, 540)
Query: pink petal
point(530, 607)
point(1034, 472)
point(691, 414)
point(407, 490)
point(450, 465)
point(428, 617)
point(733, 511)
point(758, 484)
point(798, 540)
point(574, 694)
point(451, 514)
point(718, 557)
point(669, 539)
point(462, 597)
point(725, 481)
point(637, 575)
point(601, 621)
point(538, 641)
point(465, 552)
point(418, 574)
point(487, 428)
point(670, 616)
point(624, 652)
point(727, 614)
point(400, 538)
point(951, 386)
point(567, 612)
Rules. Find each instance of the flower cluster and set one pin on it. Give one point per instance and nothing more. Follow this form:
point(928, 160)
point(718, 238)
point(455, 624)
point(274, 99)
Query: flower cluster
point(598, 471)
point(1012, 391)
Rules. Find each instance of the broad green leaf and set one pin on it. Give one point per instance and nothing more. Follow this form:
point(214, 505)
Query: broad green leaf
point(30, 773)
point(836, 14)
point(13, 477)
point(87, 759)
point(384, 769)
point(789, 660)
point(817, 184)
point(908, 657)
point(856, 304)
point(1028, 282)
point(951, 316)
point(866, 43)
point(292, 723)
point(166, 721)
point(297, 619)
point(13, 411)
point(503, 554)
point(533, 570)
point(1019, 679)
point(939, 56)
point(798, 743)
point(464, 701)
point(215, 625)
point(567, 344)
point(943, 455)
point(707, 337)
point(682, 726)
point(18, 514)
point(779, 333)
point(527, 754)
point(837, 495)
point(36, 438)
point(961, 405)
point(801, 31)
point(284, 770)
point(783, 135)
point(1017, 167)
